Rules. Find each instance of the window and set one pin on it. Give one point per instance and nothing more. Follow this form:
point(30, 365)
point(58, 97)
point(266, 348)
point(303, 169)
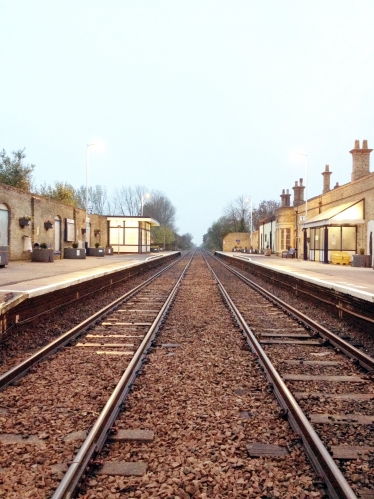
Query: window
point(4, 223)
point(69, 229)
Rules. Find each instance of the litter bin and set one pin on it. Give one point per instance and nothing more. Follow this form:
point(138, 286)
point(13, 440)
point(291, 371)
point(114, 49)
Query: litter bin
point(4, 255)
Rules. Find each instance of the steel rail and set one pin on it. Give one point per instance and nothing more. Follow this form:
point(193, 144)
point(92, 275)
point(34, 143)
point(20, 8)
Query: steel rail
point(263, 273)
point(21, 369)
point(319, 456)
point(98, 434)
point(365, 360)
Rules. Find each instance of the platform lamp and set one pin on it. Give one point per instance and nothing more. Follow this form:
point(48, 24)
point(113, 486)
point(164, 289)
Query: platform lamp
point(306, 185)
point(147, 196)
point(251, 224)
point(306, 194)
point(87, 220)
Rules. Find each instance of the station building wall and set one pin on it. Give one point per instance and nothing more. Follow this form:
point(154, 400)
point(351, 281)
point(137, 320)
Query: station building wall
point(240, 240)
point(39, 210)
point(360, 187)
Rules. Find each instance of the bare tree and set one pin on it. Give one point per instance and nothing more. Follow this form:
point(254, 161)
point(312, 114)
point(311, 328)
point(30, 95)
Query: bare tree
point(128, 200)
point(265, 209)
point(238, 214)
point(97, 199)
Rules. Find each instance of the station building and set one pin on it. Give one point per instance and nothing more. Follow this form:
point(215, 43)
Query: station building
point(339, 219)
point(27, 218)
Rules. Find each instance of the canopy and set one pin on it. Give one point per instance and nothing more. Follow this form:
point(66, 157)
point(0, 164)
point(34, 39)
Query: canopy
point(345, 214)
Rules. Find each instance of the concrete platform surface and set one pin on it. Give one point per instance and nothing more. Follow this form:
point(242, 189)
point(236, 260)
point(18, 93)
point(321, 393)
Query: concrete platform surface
point(355, 281)
point(22, 279)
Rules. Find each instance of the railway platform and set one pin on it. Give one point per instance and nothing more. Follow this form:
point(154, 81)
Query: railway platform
point(22, 279)
point(354, 281)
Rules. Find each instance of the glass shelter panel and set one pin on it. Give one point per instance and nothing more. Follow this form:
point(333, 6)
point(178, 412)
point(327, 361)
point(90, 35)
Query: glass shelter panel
point(348, 238)
point(312, 238)
point(131, 235)
point(335, 239)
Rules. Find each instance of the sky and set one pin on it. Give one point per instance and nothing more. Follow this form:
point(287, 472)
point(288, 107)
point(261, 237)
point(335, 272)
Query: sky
point(204, 100)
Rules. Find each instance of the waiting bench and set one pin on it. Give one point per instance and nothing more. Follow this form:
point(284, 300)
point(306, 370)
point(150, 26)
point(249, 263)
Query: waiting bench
point(291, 253)
point(340, 258)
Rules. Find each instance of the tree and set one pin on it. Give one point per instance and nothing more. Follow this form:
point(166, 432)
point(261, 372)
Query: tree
point(217, 231)
point(97, 199)
point(162, 235)
point(14, 172)
point(128, 200)
point(159, 207)
point(62, 191)
point(265, 209)
point(238, 214)
point(184, 241)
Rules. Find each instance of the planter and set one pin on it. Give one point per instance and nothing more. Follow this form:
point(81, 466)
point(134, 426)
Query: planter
point(42, 255)
point(23, 222)
point(48, 225)
point(361, 261)
point(109, 251)
point(95, 251)
point(267, 252)
point(4, 256)
point(77, 253)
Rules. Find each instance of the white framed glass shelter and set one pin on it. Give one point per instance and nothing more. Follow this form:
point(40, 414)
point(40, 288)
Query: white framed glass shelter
point(335, 229)
point(130, 234)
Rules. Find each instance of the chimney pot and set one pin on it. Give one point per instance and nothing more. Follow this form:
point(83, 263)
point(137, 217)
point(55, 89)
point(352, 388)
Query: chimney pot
point(360, 160)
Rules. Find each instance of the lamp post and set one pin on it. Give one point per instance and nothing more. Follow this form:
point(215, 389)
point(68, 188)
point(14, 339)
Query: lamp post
point(306, 195)
point(146, 195)
point(87, 221)
point(306, 185)
point(251, 224)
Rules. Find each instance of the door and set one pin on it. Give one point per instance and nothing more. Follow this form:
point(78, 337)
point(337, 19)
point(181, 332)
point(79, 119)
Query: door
point(57, 234)
point(4, 225)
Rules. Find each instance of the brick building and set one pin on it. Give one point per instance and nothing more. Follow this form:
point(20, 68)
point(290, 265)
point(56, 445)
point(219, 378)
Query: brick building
point(26, 219)
point(339, 219)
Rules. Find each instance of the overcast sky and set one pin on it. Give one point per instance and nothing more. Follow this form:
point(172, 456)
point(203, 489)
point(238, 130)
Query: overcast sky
point(203, 100)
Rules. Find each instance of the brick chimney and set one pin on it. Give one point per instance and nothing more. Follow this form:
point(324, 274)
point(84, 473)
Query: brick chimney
point(285, 199)
point(361, 160)
point(326, 179)
point(298, 196)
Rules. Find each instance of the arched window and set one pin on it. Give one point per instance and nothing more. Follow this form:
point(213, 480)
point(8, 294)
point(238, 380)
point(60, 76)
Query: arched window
point(4, 225)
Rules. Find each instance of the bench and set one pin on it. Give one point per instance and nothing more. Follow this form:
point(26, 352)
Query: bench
point(291, 253)
point(340, 258)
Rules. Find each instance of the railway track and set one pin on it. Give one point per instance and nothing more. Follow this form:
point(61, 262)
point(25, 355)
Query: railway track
point(58, 395)
point(200, 421)
point(330, 378)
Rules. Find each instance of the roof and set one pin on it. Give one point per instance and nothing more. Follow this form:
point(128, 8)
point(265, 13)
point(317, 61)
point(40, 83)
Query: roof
point(150, 220)
point(348, 213)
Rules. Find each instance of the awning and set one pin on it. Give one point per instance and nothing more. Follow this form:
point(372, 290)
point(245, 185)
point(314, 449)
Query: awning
point(345, 214)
